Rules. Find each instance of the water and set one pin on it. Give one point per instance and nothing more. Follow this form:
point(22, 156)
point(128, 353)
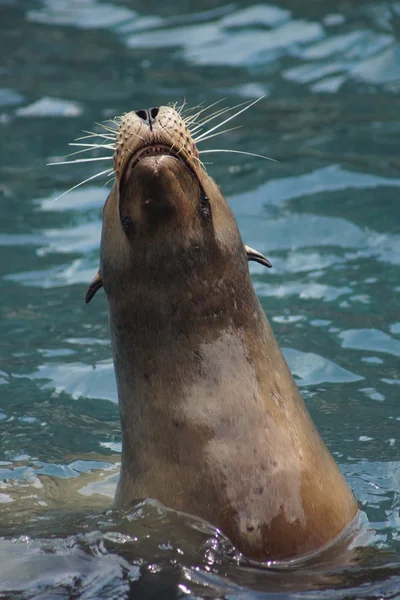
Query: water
point(327, 215)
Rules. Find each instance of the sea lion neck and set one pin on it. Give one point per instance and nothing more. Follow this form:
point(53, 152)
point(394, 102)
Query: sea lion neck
point(182, 291)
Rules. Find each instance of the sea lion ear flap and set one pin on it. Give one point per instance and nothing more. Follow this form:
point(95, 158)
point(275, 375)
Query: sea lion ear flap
point(257, 257)
point(94, 285)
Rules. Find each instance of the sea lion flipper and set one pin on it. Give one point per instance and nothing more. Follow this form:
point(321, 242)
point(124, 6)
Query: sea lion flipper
point(94, 285)
point(257, 256)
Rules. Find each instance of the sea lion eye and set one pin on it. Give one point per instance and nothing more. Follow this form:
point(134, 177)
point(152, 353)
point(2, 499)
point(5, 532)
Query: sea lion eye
point(127, 225)
point(205, 208)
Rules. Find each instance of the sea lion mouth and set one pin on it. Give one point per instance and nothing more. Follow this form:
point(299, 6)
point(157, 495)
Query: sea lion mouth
point(145, 152)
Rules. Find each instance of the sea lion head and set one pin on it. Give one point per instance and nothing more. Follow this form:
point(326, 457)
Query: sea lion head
point(164, 209)
point(164, 214)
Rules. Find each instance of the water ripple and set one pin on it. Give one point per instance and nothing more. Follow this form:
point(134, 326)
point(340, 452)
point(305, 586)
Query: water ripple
point(327, 179)
point(50, 107)
point(312, 369)
point(85, 14)
point(370, 339)
point(80, 380)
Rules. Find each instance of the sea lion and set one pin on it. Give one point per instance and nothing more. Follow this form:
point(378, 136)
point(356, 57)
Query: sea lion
point(212, 421)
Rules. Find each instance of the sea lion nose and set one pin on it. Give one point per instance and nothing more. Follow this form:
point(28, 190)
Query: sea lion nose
point(153, 113)
point(148, 116)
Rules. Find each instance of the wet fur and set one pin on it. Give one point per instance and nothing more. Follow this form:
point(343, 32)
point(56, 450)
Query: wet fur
point(212, 421)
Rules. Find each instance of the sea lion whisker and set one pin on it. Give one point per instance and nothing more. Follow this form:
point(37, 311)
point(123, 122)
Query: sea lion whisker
point(109, 146)
point(114, 120)
point(183, 147)
point(193, 112)
point(193, 126)
point(109, 178)
point(85, 150)
point(89, 148)
point(218, 113)
point(206, 107)
point(78, 160)
point(81, 183)
point(191, 116)
point(107, 128)
point(203, 139)
point(215, 114)
point(180, 109)
point(200, 124)
point(239, 152)
point(201, 162)
point(92, 134)
point(192, 119)
point(140, 137)
point(189, 111)
point(232, 116)
point(132, 150)
point(92, 138)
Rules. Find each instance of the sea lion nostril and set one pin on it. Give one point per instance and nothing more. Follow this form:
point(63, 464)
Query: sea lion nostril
point(142, 114)
point(148, 116)
point(154, 112)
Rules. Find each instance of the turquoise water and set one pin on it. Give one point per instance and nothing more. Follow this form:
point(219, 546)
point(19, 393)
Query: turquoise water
point(327, 215)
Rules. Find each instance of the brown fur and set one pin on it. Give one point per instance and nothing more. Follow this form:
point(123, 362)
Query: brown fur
point(212, 421)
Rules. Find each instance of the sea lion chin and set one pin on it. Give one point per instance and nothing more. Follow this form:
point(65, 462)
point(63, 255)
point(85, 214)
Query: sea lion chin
point(212, 421)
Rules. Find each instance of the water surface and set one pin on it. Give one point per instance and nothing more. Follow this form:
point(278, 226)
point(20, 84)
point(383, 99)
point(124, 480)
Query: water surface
point(327, 215)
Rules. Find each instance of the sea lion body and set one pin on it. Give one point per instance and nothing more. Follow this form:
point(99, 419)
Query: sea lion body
point(212, 421)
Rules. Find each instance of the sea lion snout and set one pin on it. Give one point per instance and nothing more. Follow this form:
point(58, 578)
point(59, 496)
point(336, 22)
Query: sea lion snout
point(153, 131)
